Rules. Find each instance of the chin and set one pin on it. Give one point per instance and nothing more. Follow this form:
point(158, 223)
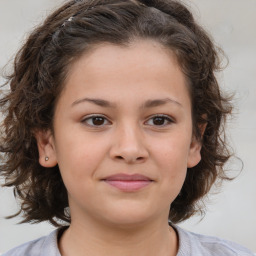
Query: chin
point(129, 217)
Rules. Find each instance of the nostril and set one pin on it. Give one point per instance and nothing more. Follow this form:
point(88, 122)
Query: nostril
point(130, 159)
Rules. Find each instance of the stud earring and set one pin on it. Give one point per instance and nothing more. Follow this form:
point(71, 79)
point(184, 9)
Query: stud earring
point(46, 158)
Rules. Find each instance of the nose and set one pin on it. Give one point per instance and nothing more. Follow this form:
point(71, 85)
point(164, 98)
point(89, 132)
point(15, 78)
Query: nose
point(129, 145)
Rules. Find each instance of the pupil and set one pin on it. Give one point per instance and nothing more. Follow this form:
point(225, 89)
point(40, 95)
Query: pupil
point(98, 120)
point(158, 120)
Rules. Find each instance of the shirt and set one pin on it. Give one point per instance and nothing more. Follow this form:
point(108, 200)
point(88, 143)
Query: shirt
point(190, 244)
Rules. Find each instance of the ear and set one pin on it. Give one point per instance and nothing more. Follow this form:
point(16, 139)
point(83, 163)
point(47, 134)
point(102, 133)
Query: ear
point(194, 156)
point(46, 148)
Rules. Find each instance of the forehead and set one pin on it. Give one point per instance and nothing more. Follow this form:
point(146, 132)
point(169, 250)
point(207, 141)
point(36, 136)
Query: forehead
point(107, 58)
point(143, 66)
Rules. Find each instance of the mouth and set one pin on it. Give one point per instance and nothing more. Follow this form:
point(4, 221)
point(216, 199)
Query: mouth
point(128, 183)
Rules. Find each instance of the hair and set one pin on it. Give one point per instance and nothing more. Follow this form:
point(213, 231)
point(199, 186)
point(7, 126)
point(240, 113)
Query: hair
point(41, 67)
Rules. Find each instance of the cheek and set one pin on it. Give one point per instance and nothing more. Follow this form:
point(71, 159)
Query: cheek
point(77, 169)
point(172, 152)
point(172, 179)
point(78, 157)
point(171, 157)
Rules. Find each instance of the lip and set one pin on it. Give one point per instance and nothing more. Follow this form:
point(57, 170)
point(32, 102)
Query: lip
point(128, 182)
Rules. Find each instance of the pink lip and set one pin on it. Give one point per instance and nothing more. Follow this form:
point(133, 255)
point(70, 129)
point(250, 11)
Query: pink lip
point(128, 183)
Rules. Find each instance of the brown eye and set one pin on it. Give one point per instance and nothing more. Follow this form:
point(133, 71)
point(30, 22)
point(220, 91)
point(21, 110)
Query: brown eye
point(160, 120)
point(95, 121)
point(98, 121)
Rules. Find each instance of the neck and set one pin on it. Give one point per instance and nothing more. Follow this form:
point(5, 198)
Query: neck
point(98, 240)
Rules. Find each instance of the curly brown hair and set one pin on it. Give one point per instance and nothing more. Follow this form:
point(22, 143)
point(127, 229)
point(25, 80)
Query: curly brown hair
point(41, 67)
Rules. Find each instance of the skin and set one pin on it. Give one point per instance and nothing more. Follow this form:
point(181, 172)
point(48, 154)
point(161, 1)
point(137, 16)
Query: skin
point(128, 140)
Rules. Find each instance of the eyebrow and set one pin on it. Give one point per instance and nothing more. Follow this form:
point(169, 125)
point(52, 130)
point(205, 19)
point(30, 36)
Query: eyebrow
point(159, 102)
point(99, 102)
point(147, 104)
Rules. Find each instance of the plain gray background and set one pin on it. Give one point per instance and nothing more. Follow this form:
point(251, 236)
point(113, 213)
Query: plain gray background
point(232, 213)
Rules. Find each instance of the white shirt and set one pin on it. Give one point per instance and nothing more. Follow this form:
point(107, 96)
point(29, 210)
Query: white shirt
point(190, 244)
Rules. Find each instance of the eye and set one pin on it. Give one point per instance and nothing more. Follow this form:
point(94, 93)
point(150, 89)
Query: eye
point(160, 120)
point(95, 121)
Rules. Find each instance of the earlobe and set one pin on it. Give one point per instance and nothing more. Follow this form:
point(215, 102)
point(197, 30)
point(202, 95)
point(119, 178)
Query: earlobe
point(195, 148)
point(194, 153)
point(46, 148)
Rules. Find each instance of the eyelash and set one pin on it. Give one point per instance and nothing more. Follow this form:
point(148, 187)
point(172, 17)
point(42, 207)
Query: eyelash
point(165, 117)
point(91, 117)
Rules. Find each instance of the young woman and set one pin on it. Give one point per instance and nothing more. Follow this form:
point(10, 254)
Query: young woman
point(112, 130)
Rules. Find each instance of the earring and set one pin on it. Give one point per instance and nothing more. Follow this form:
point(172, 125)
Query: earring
point(46, 158)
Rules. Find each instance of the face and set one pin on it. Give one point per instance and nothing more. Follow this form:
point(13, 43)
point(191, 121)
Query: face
point(122, 134)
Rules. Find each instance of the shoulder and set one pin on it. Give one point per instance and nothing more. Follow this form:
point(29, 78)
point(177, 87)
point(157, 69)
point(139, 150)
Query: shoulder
point(201, 245)
point(46, 245)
